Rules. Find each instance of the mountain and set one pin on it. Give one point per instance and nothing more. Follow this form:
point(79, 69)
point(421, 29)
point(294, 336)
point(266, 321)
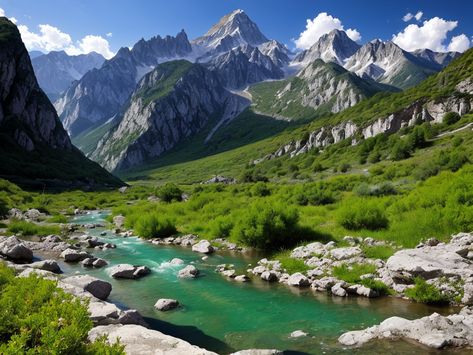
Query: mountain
point(385, 62)
point(278, 52)
point(316, 89)
point(34, 147)
point(34, 54)
point(171, 103)
point(435, 58)
point(245, 65)
point(99, 95)
point(334, 46)
point(233, 30)
point(56, 71)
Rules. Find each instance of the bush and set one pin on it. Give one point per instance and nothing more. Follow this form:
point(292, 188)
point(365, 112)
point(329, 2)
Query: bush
point(315, 195)
point(150, 225)
point(28, 228)
point(426, 293)
point(267, 226)
point(221, 226)
point(3, 208)
point(351, 273)
point(383, 189)
point(362, 214)
point(457, 160)
point(46, 321)
point(450, 118)
point(400, 151)
point(344, 167)
point(169, 193)
point(260, 189)
point(376, 285)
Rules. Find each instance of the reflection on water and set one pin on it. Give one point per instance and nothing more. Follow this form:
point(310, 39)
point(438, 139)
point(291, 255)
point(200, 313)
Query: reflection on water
point(224, 315)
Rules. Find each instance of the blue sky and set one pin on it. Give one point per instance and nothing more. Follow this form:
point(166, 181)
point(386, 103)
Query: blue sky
point(127, 21)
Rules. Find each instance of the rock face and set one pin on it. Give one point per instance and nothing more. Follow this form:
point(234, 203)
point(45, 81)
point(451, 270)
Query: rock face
point(139, 340)
point(29, 125)
point(171, 103)
point(57, 70)
point(434, 331)
point(99, 95)
point(334, 46)
point(98, 288)
point(127, 271)
point(166, 304)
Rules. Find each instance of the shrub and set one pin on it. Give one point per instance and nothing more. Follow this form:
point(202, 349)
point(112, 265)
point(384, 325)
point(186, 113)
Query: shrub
point(260, 189)
point(149, 225)
point(28, 228)
point(362, 214)
point(317, 167)
point(376, 285)
point(169, 192)
point(425, 293)
point(400, 151)
point(457, 160)
point(46, 321)
point(383, 189)
point(451, 118)
point(3, 207)
point(344, 167)
point(267, 226)
point(351, 273)
point(457, 141)
point(221, 226)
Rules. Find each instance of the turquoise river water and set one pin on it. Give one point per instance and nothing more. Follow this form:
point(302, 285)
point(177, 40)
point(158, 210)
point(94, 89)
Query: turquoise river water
point(225, 316)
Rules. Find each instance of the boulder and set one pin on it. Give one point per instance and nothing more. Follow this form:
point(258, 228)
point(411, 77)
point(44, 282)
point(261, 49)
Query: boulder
point(131, 316)
point(242, 278)
point(139, 340)
point(16, 250)
point(99, 263)
point(72, 255)
point(97, 288)
point(366, 292)
point(325, 283)
point(468, 293)
point(338, 290)
point(270, 276)
point(298, 334)
point(33, 214)
point(166, 304)
point(189, 272)
point(48, 265)
point(127, 271)
point(203, 247)
point(298, 279)
point(345, 253)
point(102, 313)
point(39, 273)
point(176, 261)
point(119, 221)
point(89, 262)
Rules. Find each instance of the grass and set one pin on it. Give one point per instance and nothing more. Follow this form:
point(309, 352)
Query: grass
point(383, 252)
point(426, 293)
point(57, 218)
point(351, 273)
point(291, 265)
point(28, 229)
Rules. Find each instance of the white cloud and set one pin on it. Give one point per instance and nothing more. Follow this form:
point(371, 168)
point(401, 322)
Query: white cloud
point(51, 38)
point(409, 16)
point(2, 12)
point(459, 43)
point(89, 44)
point(110, 34)
point(432, 34)
point(320, 25)
point(419, 15)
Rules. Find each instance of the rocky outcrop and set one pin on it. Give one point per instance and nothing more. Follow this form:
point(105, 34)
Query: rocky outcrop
point(139, 340)
point(166, 304)
point(172, 103)
point(15, 250)
point(434, 331)
point(97, 288)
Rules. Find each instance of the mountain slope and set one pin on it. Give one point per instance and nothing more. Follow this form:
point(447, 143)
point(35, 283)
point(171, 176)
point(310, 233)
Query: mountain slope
point(99, 95)
point(56, 71)
point(317, 89)
point(173, 102)
point(34, 147)
point(334, 46)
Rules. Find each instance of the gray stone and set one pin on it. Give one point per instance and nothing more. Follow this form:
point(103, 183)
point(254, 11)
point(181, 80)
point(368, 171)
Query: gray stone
point(298, 279)
point(270, 276)
point(48, 265)
point(298, 334)
point(73, 255)
point(203, 247)
point(338, 290)
point(15, 249)
point(166, 304)
point(127, 271)
point(189, 272)
point(345, 253)
point(242, 278)
point(97, 288)
point(99, 263)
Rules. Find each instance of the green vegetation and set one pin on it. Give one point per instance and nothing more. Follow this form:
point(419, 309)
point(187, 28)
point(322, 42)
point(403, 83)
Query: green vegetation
point(426, 293)
point(362, 214)
point(153, 226)
point(377, 285)
point(291, 265)
point(382, 252)
point(27, 229)
point(451, 118)
point(169, 193)
point(351, 273)
point(58, 218)
point(46, 321)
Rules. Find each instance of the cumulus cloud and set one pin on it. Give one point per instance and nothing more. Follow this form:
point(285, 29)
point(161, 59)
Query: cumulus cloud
point(2, 12)
point(459, 43)
point(110, 34)
point(50, 38)
point(432, 34)
point(320, 25)
point(407, 17)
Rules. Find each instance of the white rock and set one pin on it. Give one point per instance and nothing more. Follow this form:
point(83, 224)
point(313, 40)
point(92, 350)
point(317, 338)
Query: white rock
point(338, 290)
point(97, 288)
point(298, 279)
point(345, 253)
point(189, 272)
point(298, 334)
point(166, 304)
point(203, 247)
